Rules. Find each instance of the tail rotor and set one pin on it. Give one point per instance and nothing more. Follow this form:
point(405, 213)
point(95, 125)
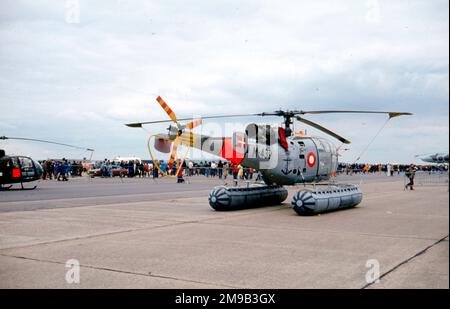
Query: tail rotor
point(180, 137)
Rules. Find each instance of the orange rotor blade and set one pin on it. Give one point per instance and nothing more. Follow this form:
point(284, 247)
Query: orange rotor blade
point(194, 123)
point(174, 152)
point(166, 107)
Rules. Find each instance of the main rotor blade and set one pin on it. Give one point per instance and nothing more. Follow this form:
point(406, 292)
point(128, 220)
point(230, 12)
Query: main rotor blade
point(276, 113)
point(43, 141)
point(323, 129)
point(139, 124)
point(391, 114)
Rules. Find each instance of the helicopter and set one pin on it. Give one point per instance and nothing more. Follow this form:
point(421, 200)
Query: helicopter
point(18, 169)
point(281, 156)
point(22, 169)
point(440, 158)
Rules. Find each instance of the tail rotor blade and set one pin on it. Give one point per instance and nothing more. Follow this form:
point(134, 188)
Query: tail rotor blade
point(194, 123)
point(167, 109)
point(174, 152)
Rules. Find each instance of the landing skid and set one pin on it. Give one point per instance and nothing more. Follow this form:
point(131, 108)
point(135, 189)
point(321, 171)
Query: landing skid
point(22, 188)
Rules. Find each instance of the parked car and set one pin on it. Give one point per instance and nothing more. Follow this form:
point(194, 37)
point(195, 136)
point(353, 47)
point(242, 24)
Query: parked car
point(117, 170)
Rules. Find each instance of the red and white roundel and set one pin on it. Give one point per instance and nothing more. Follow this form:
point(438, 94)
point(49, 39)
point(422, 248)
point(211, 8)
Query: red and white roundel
point(311, 159)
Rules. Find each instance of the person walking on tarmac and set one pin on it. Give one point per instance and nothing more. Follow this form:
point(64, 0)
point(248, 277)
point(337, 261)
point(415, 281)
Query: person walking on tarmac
point(64, 170)
point(410, 173)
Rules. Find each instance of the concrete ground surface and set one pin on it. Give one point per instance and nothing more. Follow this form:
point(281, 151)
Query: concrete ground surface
point(141, 233)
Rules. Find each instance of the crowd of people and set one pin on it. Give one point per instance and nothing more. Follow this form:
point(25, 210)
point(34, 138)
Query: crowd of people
point(134, 168)
point(390, 169)
point(60, 170)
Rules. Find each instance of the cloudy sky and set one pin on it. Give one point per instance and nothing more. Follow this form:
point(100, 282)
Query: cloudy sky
point(76, 71)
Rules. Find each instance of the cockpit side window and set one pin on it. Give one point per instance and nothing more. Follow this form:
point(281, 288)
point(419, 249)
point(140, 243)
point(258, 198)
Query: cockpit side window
point(326, 145)
point(15, 162)
point(320, 146)
point(26, 165)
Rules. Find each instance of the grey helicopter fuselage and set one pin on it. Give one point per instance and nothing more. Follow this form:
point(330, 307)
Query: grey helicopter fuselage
point(306, 159)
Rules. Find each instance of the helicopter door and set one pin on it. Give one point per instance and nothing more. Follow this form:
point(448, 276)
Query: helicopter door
point(26, 168)
point(15, 168)
point(325, 157)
